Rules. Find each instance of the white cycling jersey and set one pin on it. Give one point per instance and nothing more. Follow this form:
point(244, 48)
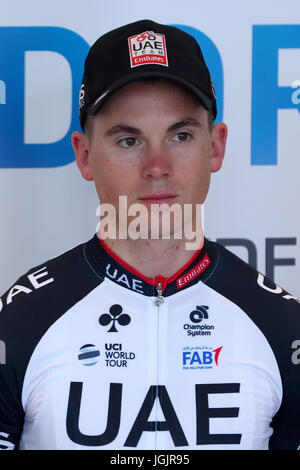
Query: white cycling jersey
point(100, 357)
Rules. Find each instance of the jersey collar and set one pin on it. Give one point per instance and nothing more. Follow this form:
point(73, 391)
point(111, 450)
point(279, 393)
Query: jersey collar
point(108, 264)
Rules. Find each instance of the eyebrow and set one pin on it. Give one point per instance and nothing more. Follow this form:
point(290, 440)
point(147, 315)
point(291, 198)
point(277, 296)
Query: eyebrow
point(123, 128)
point(184, 122)
point(133, 130)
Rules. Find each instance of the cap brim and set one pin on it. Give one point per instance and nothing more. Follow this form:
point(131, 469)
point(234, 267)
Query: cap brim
point(207, 102)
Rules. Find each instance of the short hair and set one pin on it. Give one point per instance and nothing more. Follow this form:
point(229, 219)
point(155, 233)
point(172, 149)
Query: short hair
point(88, 126)
point(211, 120)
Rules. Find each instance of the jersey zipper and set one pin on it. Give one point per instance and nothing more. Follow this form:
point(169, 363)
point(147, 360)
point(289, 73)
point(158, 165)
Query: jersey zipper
point(160, 285)
point(159, 299)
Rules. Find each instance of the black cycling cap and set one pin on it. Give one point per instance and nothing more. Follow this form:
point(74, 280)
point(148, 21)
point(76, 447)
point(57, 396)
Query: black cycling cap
point(143, 49)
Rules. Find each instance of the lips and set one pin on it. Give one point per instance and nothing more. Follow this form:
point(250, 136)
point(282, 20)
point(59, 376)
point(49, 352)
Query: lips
point(158, 198)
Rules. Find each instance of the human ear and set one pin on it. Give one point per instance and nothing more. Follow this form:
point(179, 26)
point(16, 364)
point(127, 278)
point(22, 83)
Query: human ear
point(219, 137)
point(81, 147)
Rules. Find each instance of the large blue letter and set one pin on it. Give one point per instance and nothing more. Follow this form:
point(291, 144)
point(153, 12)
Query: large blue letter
point(267, 96)
point(14, 42)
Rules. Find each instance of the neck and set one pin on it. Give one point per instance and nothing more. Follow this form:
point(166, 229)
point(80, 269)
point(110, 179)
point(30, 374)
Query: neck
point(156, 257)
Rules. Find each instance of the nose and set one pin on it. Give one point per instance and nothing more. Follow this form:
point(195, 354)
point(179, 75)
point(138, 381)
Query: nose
point(157, 162)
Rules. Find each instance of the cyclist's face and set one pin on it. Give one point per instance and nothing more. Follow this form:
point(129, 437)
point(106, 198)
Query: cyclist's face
point(152, 143)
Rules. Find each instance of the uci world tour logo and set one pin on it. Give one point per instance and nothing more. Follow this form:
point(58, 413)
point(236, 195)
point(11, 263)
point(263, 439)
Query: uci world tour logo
point(88, 355)
point(114, 316)
point(113, 356)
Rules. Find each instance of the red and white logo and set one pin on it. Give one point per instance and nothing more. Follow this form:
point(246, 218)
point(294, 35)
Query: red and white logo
point(147, 48)
point(194, 272)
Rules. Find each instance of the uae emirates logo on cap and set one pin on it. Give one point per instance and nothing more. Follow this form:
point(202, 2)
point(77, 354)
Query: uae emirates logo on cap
point(148, 48)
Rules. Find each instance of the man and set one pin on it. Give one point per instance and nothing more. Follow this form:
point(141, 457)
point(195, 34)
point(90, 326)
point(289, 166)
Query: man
point(138, 342)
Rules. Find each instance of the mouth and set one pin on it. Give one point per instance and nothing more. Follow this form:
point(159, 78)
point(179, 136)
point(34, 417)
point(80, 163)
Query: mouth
point(158, 199)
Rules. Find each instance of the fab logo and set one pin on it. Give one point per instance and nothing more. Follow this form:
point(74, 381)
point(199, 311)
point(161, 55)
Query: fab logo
point(200, 357)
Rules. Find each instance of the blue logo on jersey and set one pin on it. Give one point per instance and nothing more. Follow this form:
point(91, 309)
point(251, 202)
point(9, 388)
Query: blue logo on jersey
point(88, 355)
point(200, 357)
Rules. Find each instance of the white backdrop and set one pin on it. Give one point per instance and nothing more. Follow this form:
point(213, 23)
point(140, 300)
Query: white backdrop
point(46, 207)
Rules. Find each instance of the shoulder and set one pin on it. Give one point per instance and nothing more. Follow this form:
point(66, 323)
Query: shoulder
point(246, 285)
point(274, 310)
point(276, 313)
point(40, 297)
point(60, 275)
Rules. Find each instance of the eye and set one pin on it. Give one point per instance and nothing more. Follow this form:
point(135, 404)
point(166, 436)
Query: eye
point(182, 137)
point(128, 142)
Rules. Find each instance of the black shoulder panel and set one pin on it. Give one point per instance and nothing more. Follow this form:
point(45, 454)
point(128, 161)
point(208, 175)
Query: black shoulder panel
point(277, 314)
point(27, 310)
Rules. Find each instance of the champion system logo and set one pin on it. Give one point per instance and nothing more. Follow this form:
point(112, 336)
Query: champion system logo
point(197, 327)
